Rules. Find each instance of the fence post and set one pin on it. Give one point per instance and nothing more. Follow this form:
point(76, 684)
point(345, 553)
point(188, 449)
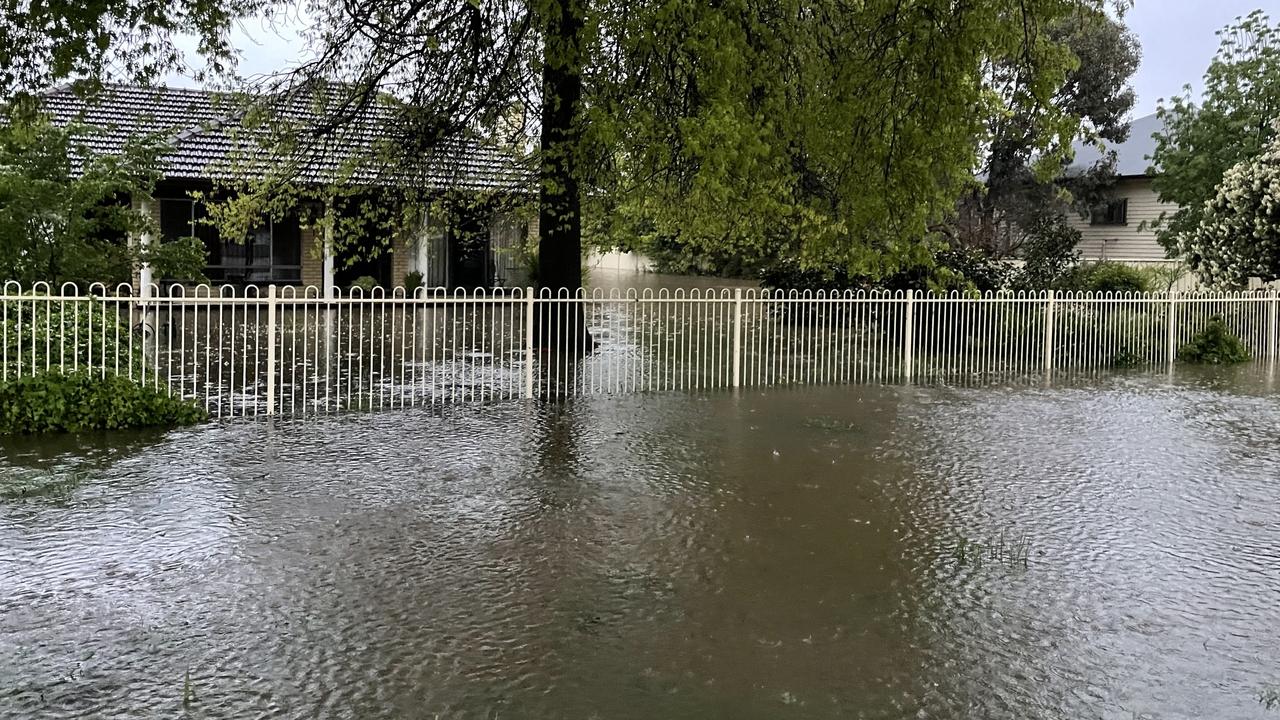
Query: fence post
point(1272, 319)
point(528, 342)
point(1171, 348)
point(908, 337)
point(1048, 333)
point(271, 350)
point(737, 337)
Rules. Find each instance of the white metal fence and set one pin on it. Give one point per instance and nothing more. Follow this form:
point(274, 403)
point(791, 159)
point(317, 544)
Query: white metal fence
point(290, 350)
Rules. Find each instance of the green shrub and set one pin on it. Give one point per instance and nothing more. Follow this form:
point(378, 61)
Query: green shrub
point(365, 282)
point(37, 333)
point(1214, 345)
point(1106, 277)
point(71, 402)
point(412, 281)
point(1126, 358)
point(961, 270)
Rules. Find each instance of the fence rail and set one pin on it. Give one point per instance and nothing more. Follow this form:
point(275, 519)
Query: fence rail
point(291, 350)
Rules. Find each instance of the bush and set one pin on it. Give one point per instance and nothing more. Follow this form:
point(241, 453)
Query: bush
point(365, 282)
point(1049, 254)
point(71, 402)
point(1214, 345)
point(960, 269)
point(1112, 277)
point(412, 281)
point(37, 333)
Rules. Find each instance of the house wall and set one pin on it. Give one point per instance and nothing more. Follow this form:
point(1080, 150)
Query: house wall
point(1130, 242)
point(403, 254)
point(312, 258)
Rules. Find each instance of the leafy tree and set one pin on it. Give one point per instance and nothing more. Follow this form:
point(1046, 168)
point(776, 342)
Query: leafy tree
point(1238, 235)
point(65, 212)
point(1232, 124)
point(51, 41)
point(837, 130)
point(1075, 84)
point(1025, 193)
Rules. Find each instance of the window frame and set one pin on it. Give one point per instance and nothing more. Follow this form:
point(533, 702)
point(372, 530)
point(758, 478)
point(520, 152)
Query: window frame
point(251, 271)
point(1114, 213)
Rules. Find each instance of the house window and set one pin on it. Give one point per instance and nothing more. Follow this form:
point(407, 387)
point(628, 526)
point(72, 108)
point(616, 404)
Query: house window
point(271, 253)
point(1115, 212)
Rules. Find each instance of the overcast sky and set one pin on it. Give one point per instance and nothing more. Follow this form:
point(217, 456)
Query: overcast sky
point(1177, 39)
point(1178, 42)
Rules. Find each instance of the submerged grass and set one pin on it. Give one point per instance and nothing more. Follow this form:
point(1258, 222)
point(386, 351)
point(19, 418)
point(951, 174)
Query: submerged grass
point(1012, 551)
point(1269, 697)
point(23, 485)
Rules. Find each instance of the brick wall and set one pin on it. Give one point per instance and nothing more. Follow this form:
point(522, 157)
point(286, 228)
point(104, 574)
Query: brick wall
point(402, 256)
point(312, 258)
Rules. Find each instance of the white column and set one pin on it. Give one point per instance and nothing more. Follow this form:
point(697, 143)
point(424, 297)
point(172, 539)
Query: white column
point(144, 240)
point(327, 250)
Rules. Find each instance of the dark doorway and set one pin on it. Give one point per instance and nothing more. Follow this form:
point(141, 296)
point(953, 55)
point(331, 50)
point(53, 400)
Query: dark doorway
point(469, 264)
point(366, 254)
point(350, 266)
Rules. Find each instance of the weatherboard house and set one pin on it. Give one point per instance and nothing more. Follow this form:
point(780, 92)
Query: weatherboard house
point(480, 247)
point(1121, 229)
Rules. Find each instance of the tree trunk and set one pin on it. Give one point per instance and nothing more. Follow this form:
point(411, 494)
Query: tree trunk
point(562, 326)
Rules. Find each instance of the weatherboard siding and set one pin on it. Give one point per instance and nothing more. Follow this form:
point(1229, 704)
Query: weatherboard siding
point(1134, 241)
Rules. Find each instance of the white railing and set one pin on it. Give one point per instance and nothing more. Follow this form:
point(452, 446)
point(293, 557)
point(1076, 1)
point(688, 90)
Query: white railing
point(291, 350)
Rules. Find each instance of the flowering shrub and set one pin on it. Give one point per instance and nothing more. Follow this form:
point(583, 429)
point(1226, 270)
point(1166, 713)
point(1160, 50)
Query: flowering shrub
point(1239, 232)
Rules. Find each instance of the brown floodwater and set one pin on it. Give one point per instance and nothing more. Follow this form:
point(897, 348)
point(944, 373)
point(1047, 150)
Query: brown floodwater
point(1103, 549)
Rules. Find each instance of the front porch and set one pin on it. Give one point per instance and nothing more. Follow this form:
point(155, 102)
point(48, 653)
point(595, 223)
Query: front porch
point(478, 249)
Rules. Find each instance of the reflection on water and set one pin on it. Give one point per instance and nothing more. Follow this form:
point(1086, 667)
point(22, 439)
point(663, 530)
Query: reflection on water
point(776, 554)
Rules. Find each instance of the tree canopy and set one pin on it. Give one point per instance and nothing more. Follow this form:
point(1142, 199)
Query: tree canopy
point(65, 212)
point(1026, 188)
point(1238, 235)
point(838, 130)
point(1201, 142)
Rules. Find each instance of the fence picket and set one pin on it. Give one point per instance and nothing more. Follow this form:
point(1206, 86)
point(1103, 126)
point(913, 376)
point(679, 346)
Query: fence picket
point(241, 352)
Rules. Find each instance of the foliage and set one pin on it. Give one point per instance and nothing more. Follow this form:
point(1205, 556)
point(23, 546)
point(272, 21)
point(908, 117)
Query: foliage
point(962, 270)
point(1200, 143)
point(1126, 358)
point(837, 131)
point(412, 281)
point(38, 333)
point(14, 486)
point(1164, 276)
point(1049, 254)
point(367, 283)
point(77, 401)
point(65, 212)
point(1025, 186)
point(130, 40)
point(1238, 236)
point(1108, 277)
point(1269, 697)
point(1214, 345)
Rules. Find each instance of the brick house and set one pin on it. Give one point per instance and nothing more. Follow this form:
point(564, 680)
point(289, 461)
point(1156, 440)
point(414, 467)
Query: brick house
point(480, 248)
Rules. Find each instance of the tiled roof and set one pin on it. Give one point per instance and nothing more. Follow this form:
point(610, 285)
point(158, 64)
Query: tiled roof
point(209, 140)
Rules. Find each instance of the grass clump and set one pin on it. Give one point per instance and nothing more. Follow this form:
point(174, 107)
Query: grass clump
point(1010, 551)
point(38, 484)
point(1269, 697)
point(1126, 359)
point(1214, 345)
point(72, 402)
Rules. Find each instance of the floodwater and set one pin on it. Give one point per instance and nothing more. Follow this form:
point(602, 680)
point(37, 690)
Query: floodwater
point(1109, 549)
